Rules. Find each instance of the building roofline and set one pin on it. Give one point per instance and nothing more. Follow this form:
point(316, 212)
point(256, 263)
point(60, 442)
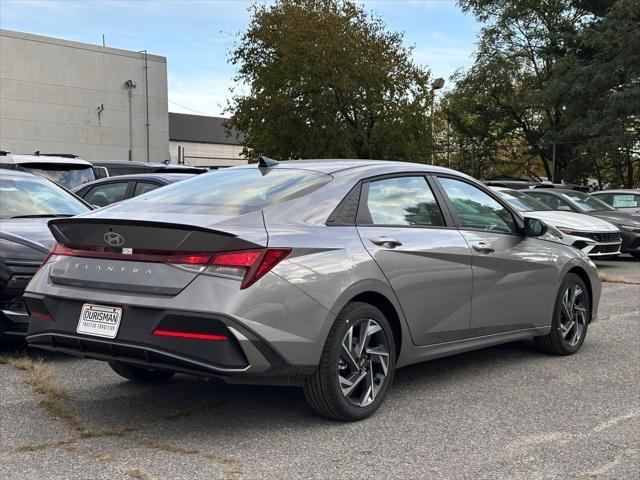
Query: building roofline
point(73, 44)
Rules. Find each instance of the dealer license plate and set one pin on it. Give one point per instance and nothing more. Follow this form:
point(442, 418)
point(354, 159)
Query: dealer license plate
point(99, 320)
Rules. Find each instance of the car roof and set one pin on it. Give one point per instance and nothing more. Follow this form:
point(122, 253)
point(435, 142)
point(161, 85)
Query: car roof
point(16, 159)
point(164, 177)
point(552, 191)
point(635, 191)
point(370, 167)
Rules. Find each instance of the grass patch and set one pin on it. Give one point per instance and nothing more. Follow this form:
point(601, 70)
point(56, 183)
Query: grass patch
point(138, 474)
point(609, 279)
point(40, 378)
point(232, 467)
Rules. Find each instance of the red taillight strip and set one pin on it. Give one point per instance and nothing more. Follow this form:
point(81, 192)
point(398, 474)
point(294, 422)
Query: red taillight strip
point(41, 315)
point(153, 256)
point(197, 336)
point(256, 263)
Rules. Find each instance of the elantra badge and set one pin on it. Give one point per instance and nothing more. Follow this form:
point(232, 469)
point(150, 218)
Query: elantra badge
point(114, 239)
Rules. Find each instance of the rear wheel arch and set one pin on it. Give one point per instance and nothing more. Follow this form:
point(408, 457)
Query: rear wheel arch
point(383, 304)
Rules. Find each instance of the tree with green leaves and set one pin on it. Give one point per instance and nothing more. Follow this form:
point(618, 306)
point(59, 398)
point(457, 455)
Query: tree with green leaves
point(599, 84)
point(553, 80)
point(322, 79)
point(518, 50)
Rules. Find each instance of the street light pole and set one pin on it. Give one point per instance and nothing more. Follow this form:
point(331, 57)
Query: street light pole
point(437, 84)
point(130, 85)
point(553, 161)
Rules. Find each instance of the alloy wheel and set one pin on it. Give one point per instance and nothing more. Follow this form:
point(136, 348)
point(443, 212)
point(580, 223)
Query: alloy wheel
point(363, 362)
point(573, 314)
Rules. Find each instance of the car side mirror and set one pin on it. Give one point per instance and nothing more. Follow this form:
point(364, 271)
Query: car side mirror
point(563, 208)
point(534, 227)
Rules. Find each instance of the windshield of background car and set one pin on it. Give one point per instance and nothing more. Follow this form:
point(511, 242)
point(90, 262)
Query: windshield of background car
point(522, 202)
point(587, 202)
point(625, 200)
point(33, 196)
point(68, 176)
point(241, 190)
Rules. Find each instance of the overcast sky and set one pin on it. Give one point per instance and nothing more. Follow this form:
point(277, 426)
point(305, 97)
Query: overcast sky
point(196, 36)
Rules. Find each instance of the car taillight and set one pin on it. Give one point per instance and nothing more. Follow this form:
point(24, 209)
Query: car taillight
point(248, 266)
point(57, 249)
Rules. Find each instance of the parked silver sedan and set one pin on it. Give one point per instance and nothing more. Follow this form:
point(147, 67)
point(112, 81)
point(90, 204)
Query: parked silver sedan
point(324, 274)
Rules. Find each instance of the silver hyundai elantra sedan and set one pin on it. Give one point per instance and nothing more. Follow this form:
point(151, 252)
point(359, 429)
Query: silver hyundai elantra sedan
point(324, 274)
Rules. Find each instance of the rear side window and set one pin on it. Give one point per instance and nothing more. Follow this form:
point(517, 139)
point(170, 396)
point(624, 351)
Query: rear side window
point(242, 190)
point(401, 201)
point(103, 195)
point(550, 200)
point(144, 187)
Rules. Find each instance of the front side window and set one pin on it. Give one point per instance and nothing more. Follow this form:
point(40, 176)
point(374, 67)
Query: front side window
point(401, 201)
point(103, 195)
point(476, 210)
point(33, 197)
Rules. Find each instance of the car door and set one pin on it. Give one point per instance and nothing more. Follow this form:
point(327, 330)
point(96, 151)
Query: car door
point(108, 193)
point(512, 274)
point(425, 259)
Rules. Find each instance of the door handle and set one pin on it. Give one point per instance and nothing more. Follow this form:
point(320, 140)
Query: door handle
point(482, 247)
point(386, 242)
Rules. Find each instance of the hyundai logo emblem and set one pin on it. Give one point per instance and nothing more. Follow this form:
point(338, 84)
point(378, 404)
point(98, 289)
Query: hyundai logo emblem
point(114, 239)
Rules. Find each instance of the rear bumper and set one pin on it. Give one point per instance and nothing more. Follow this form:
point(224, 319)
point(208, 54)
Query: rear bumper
point(244, 353)
point(13, 314)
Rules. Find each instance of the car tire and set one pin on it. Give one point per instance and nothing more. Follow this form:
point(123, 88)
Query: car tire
point(370, 369)
point(140, 374)
point(636, 255)
point(570, 318)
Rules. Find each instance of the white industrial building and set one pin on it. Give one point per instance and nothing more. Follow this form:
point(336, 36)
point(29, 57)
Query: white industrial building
point(59, 96)
point(203, 141)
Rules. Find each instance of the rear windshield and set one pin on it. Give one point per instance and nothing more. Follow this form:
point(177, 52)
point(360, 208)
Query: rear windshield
point(35, 197)
point(242, 190)
point(68, 176)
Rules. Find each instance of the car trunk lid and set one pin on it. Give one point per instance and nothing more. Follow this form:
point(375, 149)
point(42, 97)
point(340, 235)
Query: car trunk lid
point(145, 256)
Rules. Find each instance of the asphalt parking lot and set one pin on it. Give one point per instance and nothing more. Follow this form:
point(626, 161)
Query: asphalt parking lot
point(507, 412)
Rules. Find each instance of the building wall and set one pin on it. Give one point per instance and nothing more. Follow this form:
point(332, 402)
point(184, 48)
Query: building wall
point(51, 92)
point(208, 154)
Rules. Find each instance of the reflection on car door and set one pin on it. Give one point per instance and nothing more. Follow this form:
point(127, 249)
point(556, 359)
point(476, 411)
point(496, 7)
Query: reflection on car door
point(512, 274)
point(427, 263)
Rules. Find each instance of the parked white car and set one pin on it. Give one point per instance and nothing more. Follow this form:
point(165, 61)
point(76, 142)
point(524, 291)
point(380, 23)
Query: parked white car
point(64, 169)
point(595, 237)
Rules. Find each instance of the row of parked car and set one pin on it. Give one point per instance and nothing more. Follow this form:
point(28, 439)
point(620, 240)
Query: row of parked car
point(602, 224)
point(360, 266)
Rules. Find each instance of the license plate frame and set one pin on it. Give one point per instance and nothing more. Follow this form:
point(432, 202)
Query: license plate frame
point(99, 320)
